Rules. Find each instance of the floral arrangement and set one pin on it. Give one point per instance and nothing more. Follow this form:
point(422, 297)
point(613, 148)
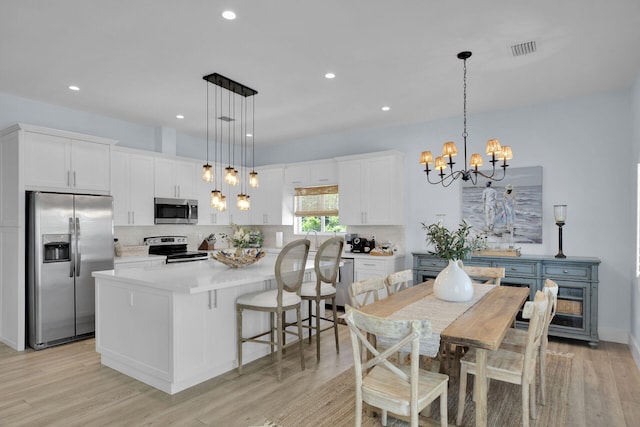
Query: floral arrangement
point(243, 238)
point(456, 244)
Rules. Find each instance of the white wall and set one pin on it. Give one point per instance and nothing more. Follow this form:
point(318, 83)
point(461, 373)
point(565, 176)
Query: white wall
point(585, 146)
point(634, 336)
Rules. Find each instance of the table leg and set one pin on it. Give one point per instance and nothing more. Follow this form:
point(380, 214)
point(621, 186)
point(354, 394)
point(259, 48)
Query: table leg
point(481, 387)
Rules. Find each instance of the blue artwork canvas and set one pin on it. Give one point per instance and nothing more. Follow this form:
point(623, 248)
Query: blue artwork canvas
point(507, 211)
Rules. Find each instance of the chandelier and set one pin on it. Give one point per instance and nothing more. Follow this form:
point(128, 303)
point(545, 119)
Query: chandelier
point(236, 106)
point(493, 149)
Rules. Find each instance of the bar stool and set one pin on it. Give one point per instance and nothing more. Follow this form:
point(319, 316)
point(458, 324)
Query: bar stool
point(326, 266)
point(289, 272)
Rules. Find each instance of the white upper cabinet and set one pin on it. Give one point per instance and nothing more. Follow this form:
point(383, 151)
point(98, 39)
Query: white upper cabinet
point(175, 178)
point(132, 188)
point(271, 203)
point(311, 174)
point(59, 163)
point(371, 189)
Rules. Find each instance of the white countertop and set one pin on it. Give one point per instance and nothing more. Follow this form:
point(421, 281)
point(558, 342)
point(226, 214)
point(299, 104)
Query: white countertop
point(197, 276)
point(345, 254)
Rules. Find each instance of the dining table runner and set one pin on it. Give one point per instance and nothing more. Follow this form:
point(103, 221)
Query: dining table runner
point(440, 314)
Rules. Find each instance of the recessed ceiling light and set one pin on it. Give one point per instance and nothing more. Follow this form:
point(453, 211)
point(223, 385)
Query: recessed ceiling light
point(385, 108)
point(249, 135)
point(229, 15)
point(330, 76)
point(179, 116)
point(75, 88)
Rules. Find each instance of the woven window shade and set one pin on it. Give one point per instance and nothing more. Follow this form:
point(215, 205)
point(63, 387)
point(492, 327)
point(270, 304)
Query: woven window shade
point(316, 201)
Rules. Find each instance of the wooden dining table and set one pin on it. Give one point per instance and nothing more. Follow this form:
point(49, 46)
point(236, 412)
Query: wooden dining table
point(482, 326)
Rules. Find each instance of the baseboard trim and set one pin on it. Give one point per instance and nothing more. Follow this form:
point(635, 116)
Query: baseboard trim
point(634, 346)
point(613, 334)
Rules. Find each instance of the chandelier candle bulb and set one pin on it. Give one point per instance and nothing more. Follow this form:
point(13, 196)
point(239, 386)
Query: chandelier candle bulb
point(440, 164)
point(449, 149)
point(426, 158)
point(476, 161)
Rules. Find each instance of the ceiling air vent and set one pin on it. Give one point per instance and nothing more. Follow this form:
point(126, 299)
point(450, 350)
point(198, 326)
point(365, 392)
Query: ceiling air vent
point(523, 48)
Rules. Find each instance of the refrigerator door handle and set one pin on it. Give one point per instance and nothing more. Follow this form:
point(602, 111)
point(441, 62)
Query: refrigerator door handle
point(78, 254)
point(72, 254)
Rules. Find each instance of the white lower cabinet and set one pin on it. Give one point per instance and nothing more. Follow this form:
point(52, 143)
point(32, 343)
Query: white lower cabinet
point(171, 340)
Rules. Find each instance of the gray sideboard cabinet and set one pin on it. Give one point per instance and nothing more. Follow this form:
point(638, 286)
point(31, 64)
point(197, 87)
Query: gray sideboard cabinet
point(577, 277)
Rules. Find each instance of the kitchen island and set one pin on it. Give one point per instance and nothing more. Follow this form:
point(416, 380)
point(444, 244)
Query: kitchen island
point(174, 326)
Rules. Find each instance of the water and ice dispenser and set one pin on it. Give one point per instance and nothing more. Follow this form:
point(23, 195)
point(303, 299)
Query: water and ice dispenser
point(56, 247)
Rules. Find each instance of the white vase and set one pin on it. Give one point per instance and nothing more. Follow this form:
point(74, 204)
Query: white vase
point(453, 284)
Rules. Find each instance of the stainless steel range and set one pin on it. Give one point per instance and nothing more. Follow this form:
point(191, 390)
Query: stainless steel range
point(174, 248)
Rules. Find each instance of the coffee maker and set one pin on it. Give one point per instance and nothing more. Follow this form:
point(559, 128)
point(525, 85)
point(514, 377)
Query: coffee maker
point(349, 241)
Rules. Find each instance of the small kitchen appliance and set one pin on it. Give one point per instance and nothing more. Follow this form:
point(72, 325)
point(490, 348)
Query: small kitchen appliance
point(174, 248)
point(362, 245)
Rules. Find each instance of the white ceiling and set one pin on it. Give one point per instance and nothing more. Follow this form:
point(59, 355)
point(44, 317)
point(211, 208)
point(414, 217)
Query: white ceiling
point(143, 60)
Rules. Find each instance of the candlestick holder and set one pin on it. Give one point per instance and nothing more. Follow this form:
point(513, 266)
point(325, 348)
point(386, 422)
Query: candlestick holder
point(560, 214)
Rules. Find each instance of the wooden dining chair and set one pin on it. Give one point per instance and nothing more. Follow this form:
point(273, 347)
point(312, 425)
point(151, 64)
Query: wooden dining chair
point(402, 390)
point(516, 339)
point(395, 282)
point(511, 366)
point(289, 272)
point(486, 275)
point(326, 266)
point(366, 291)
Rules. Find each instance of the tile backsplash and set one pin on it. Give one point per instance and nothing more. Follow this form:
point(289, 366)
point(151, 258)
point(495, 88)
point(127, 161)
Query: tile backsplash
point(134, 235)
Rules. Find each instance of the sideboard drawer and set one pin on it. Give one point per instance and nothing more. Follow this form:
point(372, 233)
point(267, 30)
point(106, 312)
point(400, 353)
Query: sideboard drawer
point(519, 269)
point(568, 271)
point(431, 263)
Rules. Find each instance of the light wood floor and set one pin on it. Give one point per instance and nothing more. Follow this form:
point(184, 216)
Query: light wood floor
point(67, 386)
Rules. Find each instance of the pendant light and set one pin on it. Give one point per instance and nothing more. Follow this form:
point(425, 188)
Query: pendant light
point(449, 150)
point(253, 175)
point(216, 195)
point(207, 171)
point(218, 200)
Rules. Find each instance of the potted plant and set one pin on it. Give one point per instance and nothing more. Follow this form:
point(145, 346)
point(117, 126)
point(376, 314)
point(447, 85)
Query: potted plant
point(452, 283)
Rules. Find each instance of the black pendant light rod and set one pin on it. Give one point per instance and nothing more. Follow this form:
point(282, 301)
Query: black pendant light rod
point(231, 85)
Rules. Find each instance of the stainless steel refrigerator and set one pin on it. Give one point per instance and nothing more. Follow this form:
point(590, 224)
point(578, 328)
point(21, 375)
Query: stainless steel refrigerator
point(68, 237)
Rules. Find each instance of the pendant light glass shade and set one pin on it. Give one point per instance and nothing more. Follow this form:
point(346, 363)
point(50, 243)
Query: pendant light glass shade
point(253, 179)
point(216, 196)
point(244, 202)
point(207, 173)
point(222, 206)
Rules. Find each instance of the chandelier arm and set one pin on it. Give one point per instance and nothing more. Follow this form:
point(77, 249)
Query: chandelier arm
point(451, 176)
point(493, 173)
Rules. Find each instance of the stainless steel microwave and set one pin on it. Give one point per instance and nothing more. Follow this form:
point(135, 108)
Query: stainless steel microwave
point(175, 211)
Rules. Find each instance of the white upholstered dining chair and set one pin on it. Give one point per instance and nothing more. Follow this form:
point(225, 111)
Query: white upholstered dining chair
point(400, 389)
point(326, 265)
point(289, 273)
point(511, 366)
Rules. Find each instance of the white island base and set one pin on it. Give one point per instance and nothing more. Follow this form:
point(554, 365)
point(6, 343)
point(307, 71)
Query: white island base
point(174, 326)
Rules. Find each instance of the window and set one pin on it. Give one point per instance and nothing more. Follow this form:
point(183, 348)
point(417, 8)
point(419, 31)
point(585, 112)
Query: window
point(316, 209)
